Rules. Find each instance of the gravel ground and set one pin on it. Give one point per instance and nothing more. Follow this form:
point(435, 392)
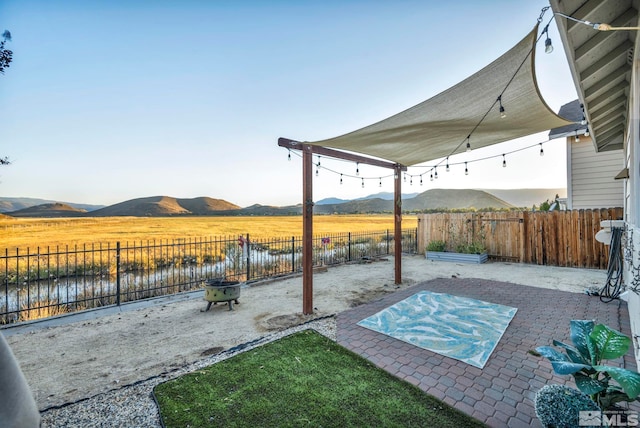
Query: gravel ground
point(134, 406)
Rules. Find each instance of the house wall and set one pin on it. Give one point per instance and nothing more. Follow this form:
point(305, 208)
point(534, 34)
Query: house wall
point(632, 205)
point(590, 176)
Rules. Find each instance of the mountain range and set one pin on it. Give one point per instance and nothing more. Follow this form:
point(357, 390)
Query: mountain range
point(162, 206)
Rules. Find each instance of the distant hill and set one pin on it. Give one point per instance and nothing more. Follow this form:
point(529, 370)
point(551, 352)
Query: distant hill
point(160, 206)
point(388, 196)
point(49, 210)
point(164, 206)
point(8, 204)
point(430, 200)
point(527, 197)
point(454, 199)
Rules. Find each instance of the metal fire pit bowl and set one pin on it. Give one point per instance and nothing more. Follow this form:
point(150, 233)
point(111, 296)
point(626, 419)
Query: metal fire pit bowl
point(218, 290)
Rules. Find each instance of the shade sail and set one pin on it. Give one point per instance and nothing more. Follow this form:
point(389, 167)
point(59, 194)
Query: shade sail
point(439, 126)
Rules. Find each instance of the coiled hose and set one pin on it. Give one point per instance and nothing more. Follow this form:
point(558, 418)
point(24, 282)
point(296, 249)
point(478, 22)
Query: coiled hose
point(613, 287)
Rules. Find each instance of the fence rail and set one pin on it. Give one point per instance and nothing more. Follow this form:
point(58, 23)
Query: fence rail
point(50, 281)
point(556, 238)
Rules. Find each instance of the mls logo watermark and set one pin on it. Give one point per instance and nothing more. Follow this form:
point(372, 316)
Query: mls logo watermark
point(608, 419)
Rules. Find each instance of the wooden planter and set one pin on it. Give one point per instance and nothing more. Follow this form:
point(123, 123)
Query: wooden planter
point(456, 257)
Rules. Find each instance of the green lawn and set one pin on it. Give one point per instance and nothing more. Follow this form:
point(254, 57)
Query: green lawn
point(301, 380)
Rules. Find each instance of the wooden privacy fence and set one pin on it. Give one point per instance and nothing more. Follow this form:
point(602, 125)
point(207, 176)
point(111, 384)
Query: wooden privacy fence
point(556, 238)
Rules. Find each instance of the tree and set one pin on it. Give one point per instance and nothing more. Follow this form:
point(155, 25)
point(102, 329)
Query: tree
point(6, 56)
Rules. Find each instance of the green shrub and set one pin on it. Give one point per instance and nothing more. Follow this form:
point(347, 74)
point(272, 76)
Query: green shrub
point(559, 406)
point(436, 246)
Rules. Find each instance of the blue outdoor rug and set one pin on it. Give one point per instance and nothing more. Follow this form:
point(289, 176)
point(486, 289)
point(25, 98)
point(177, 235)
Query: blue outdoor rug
point(457, 327)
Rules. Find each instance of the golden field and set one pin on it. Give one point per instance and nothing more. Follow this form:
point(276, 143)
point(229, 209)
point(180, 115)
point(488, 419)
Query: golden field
point(51, 232)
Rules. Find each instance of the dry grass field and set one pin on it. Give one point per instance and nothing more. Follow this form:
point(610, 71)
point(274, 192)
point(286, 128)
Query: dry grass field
point(31, 233)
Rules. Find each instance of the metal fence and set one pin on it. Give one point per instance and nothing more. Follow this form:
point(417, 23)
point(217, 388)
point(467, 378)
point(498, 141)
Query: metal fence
point(53, 281)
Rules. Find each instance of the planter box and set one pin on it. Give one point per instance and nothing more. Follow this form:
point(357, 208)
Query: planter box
point(456, 257)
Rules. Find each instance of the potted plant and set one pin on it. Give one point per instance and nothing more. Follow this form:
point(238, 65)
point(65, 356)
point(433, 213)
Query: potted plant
point(592, 345)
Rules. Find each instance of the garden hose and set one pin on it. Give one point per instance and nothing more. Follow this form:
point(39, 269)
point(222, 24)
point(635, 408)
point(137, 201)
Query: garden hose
point(613, 287)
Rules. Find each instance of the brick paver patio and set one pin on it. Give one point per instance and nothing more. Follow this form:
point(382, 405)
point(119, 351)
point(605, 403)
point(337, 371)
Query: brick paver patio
point(501, 394)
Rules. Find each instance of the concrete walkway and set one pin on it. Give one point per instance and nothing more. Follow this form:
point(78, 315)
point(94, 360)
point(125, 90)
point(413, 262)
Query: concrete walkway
point(502, 393)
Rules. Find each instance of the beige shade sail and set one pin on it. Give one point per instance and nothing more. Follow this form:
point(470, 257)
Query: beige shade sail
point(439, 126)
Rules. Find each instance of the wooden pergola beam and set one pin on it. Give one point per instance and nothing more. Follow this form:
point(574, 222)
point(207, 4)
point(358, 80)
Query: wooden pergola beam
point(307, 209)
point(325, 151)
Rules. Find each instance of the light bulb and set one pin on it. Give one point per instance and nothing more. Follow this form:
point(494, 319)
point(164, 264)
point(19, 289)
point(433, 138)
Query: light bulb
point(541, 150)
point(357, 168)
point(340, 178)
point(504, 162)
point(548, 47)
point(466, 170)
point(363, 183)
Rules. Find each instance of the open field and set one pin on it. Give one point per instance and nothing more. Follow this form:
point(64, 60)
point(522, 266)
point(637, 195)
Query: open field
point(32, 232)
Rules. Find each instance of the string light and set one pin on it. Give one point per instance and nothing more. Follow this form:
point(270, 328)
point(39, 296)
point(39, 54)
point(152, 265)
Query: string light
point(435, 169)
point(503, 114)
point(584, 117)
point(289, 155)
point(548, 47)
point(380, 182)
point(541, 150)
point(317, 172)
point(466, 170)
point(363, 183)
point(577, 137)
point(504, 161)
point(405, 177)
point(586, 132)
point(411, 180)
point(468, 143)
point(357, 168)
point(432, 177)
point(340, 178)
point(447, 168)
point(421, 180)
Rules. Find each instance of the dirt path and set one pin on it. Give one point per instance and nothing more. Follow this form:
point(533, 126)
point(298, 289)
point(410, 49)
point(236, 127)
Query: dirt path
point(83, 358)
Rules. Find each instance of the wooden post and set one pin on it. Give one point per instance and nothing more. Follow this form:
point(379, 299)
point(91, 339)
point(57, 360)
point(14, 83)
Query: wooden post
point(397, 215)
point(307, 231)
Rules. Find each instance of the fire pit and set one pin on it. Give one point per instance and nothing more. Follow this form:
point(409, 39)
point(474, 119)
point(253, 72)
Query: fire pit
point(218, 290)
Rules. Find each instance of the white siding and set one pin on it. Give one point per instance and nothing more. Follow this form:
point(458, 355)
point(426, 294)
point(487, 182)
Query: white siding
point(592, 176)
point(632, 210)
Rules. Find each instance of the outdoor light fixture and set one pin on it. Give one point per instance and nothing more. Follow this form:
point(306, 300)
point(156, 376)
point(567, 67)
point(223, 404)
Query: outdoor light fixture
point(431, 177)
point(548, 47)
point(358, 169)
point(340, 178)
point(466, 170)
point(447, 167)
point(504, 161)
point(435, 170)
point(502, 112)
point(468, 143)
point(600, 26)
point(421, 180)
point(541, 150)
point(577, 137)
point(586, 132)
point(289, 155)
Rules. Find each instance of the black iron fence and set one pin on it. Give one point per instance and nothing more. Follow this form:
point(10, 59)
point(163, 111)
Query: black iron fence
point(53, 281)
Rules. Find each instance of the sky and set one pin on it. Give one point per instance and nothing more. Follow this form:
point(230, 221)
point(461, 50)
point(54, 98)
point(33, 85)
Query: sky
point(107, 101)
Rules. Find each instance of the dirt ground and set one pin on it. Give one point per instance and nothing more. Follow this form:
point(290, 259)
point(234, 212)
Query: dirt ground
point(80, 356)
